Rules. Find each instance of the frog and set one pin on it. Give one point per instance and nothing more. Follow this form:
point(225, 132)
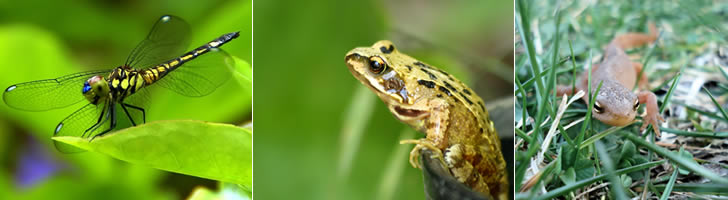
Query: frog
point(454, 119)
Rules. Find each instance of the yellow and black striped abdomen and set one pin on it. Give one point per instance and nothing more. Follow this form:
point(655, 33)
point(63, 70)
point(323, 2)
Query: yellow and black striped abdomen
point(155, 73)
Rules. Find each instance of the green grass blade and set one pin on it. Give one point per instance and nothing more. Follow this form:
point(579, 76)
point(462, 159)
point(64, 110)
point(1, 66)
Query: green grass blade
point(702, 112)
point(722, 111)
point(524, 110)
point(573, 68)
point(717, 135)
point(617, 189)
point(704, 188)
point(523, 24)
point(592, 99)
point(598, 136)
point(685, 163)
point(531, 81)
point(722, 71)
point(671, 182)
point(579, 184)
point(357, 117)
point(667, 98)
point(669, 91)
point(392, 173)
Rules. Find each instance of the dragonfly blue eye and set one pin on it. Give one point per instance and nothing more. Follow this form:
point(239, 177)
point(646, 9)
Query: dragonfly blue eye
point(86, 88)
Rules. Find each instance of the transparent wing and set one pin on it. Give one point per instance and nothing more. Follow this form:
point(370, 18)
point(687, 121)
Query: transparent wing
point(201, 76)
point(78, 122)
point(49, 94)
point(140, 98)
point(168, 39)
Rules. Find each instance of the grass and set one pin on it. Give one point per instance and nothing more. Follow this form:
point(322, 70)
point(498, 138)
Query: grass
point(557, 43)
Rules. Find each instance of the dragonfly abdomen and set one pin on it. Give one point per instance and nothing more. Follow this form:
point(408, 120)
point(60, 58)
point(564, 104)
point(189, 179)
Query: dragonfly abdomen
point(155, 73)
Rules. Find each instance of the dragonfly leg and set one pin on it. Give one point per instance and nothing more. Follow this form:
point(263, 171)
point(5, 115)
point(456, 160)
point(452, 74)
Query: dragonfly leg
point(98, 123)
point(144, 114)
point(112, 115)
point(105, 117)
point(123, 106)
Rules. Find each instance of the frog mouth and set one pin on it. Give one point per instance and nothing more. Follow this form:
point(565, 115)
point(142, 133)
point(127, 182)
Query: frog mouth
point(413, 113)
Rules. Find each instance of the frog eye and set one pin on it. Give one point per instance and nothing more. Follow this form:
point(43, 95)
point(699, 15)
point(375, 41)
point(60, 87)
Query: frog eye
point(598, 108)
point(636, 104)
point(377, 64)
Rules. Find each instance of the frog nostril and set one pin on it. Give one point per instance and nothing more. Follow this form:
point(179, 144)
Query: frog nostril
point(352, 56)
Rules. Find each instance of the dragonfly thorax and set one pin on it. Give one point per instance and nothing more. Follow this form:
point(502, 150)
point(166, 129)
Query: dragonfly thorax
point(96, 89)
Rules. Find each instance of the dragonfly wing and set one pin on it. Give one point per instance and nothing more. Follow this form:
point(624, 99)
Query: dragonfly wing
point(79, 122)
point(200, 76)
point(168, 39)
point(49, 94)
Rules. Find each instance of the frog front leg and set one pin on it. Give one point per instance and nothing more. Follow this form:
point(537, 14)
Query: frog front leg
point(416, 151)
point(652, 115)
point(434, 125)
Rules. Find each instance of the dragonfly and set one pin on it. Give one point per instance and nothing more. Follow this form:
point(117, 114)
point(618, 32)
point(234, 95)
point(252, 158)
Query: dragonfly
point(156, 61)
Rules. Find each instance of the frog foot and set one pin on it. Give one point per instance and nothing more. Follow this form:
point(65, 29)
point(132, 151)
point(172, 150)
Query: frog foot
point(652, 119)
point(422, 144)
point(652, 113)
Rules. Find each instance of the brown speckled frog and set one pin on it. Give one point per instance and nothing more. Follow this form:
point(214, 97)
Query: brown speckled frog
point(616, 104)
point(453, 118)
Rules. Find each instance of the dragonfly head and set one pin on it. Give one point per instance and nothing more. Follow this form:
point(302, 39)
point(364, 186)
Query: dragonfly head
point(95, 89)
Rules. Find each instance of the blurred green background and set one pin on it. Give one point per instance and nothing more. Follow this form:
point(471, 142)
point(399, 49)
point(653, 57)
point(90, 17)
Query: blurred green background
point(319, 134)
point(48, 39)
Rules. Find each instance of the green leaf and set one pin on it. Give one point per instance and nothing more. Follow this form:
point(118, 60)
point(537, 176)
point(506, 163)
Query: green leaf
point(689, 157)
point(569, 176)
point(682, 162)
point(584, 168)
point(581, 183)
point(243, 73)
point(628, 149)
point(209, 150)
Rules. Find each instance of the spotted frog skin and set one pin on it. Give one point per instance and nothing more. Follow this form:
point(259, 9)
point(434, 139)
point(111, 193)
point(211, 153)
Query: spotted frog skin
point(453, 118)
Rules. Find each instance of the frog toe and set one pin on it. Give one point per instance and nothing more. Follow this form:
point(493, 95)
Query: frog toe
point(653, 120)
point(414, 154)
point(656, 129)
